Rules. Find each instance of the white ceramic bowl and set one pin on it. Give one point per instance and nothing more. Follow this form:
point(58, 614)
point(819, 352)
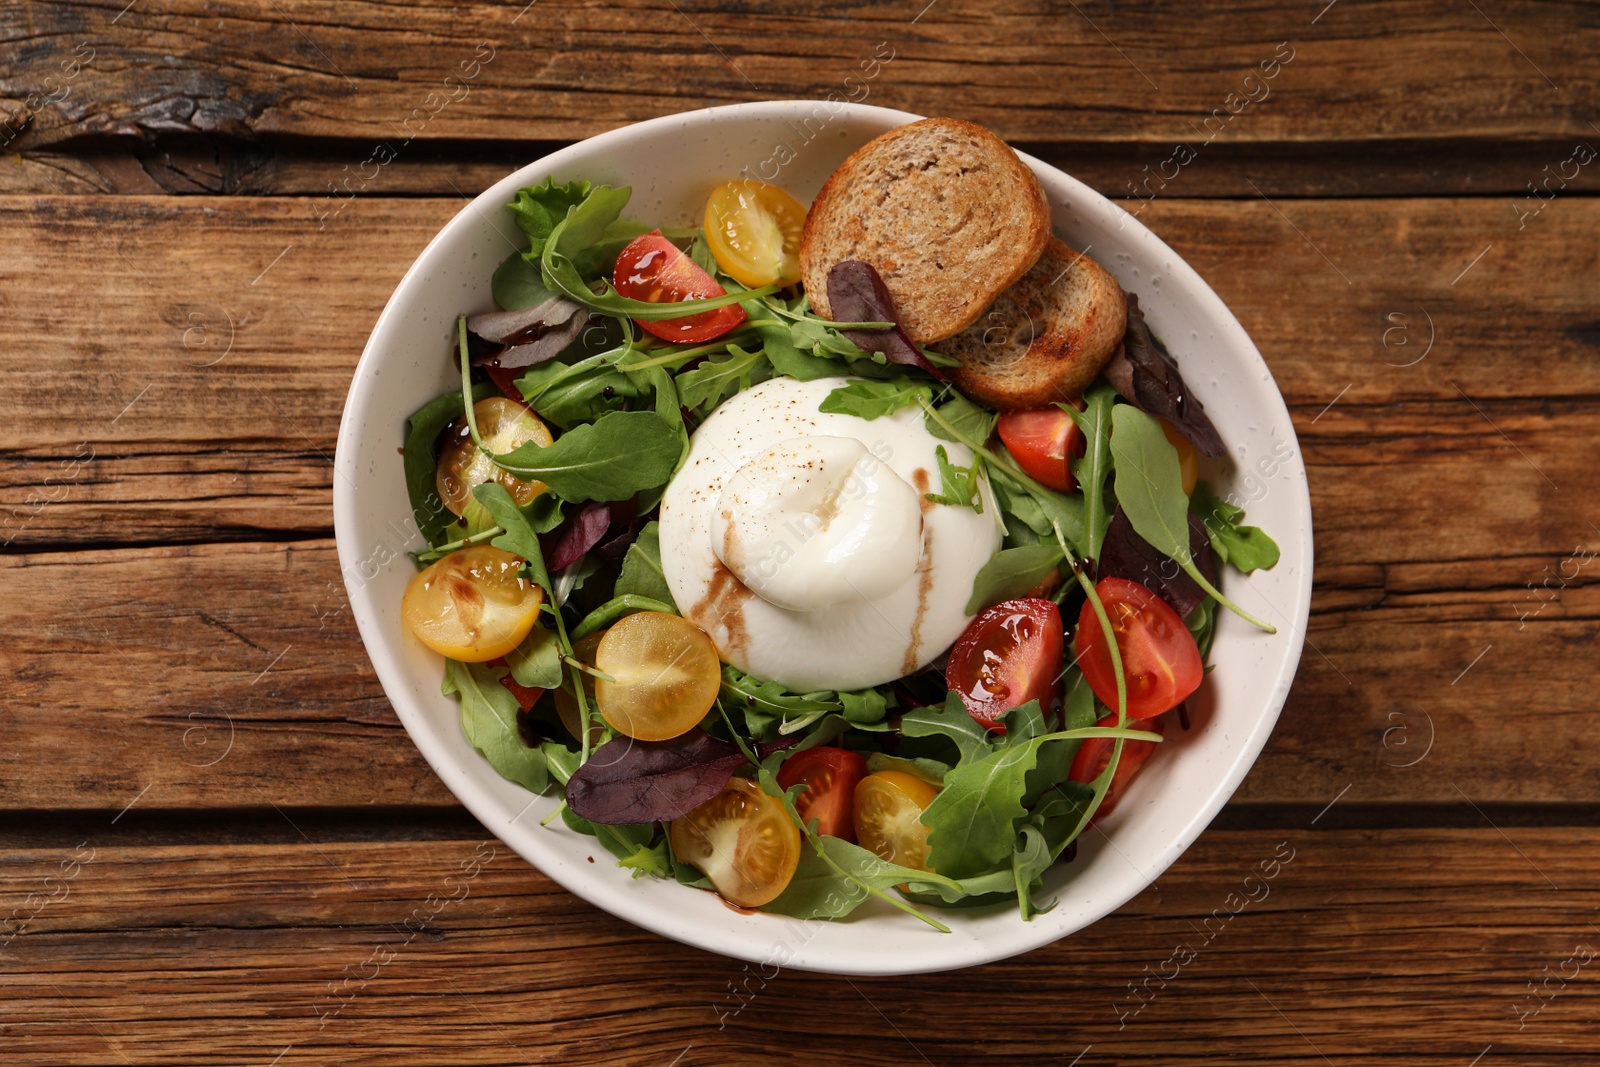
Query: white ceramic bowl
point(672, 164)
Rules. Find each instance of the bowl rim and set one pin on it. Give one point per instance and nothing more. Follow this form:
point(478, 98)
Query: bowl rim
point(730, 940)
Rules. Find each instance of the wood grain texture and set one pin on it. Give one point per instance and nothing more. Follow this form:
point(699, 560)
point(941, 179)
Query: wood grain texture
point(233, 166)
point(253, 694)
point(209, 382)
point(216, 667)
point(270, 874)
point(1453, 518)
point(1401, 947)
point(1033, 70)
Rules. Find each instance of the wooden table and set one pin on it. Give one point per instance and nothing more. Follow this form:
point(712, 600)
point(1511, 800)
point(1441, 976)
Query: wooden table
point(219, 844)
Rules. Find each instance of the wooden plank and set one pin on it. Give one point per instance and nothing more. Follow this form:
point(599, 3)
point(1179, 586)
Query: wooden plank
point(255, 693)
point(230, 166)
point(1034, 71)
point(157, 675)
point(1409, 947)
point(211, 403)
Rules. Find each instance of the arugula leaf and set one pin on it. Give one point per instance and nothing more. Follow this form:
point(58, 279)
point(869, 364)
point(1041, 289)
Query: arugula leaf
point(668, 405)
point(959, 485)
point(791, 362)
point(421, 465)
point(563, 263)
point(616, 608)
point(817, 336)
point(1011, 573)
point(489, 719)
point(1055, 758)
point(587, 219)
point(638, 847)
point(612, 458)
point(1062, 813)
point(864, 707)
point(1019, 511)
point(835, 877)
point(858, 872)
point(685, 874)
point(772, 698)
point(700, 252)
point(570, 395)
point(1045, 511)
point(705, 387)
point(1022, 723)
point(970, 422)
point(874, 399)
point(518, 284)
point(1094, 422)
point(949, 720)
point(1149, 488)
point(1248, 548)
point(518, 538)
point(544, 513)
point(819, 891)
point(1030, 858)
point(597, 237)
point(632, 846)
point(641, 567)
point(1202, 625)
point(970, 823)
point(929, 770)
point(536, 662)
point(1038, 508)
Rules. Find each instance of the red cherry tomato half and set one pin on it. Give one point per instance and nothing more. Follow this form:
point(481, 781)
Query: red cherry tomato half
point(1043, 442)
point(652, 268)
point(1159, 656)
point(830, 776)
point(1008, 655)
point(1095, 753)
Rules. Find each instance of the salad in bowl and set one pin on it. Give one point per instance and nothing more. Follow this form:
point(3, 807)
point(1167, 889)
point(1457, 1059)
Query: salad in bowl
point(830, 555)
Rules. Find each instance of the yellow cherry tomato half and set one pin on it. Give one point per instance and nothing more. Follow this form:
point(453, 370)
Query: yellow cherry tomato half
point(504, 425)
point(888, 809)
point(743, 840)
point(472, 605)
point(1188, 458)
point(665, 675)
point(753, 230)
point(567, 705)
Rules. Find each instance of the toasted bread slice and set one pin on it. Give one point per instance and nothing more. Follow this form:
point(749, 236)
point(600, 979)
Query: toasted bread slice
point(942, 209)
point(1044, 339)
